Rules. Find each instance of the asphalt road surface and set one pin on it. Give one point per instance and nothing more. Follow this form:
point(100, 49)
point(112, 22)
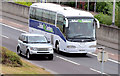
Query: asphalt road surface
point(61, 64)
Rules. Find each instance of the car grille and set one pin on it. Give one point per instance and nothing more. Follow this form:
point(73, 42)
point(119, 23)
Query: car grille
point(42, 49)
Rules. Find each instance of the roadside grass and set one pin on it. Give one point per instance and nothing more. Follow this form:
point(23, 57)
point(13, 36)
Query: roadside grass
point(27, 68)
point(13, 64)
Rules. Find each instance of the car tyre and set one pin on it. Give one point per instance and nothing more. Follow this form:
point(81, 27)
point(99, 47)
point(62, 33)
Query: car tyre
point(18, 51)
point(50, 57)
point(84, 54)
point(28, 55)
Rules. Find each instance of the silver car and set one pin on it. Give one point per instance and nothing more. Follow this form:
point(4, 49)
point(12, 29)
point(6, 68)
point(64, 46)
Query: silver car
point(34, 44)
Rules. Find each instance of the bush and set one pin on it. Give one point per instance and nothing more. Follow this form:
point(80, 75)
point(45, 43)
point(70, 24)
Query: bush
point(10, 58)
point(104, 18)
point(105, 7)
point(71, 4)
point(24, 3)
point(117, 17)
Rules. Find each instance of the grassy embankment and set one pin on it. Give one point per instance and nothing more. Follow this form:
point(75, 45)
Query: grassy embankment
point(13, 64)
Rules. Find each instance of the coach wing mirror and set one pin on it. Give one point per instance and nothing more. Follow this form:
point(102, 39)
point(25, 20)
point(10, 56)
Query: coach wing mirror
point(98, 24)
point(66, 22)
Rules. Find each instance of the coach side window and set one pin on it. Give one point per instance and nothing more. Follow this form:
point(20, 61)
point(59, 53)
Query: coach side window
point(32, 13)
point(59, 19)
point(39, 14)
point(60, 22)
point(46, 16)
point(52, 17)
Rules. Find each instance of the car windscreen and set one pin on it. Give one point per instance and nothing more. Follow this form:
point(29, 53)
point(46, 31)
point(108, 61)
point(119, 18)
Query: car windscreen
point(37, 39)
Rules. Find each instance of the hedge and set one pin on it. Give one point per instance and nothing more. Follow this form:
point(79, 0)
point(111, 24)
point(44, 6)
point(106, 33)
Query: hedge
point(10, 58)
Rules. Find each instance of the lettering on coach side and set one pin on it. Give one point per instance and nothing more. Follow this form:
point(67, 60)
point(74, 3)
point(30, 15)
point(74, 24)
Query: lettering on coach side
point(45, 27)
point(49, 29)
point(40, 26)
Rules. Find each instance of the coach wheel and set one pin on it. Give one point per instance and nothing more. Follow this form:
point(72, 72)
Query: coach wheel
point(57, 48)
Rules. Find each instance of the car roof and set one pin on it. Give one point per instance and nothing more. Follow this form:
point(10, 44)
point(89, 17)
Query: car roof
point(31, 34)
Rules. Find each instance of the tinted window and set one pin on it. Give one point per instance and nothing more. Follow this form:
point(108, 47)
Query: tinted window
point(32, 13)
point(39, 14)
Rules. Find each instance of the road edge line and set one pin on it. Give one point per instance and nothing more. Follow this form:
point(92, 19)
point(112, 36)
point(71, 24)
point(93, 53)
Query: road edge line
point(68, 60)
point(13, 28)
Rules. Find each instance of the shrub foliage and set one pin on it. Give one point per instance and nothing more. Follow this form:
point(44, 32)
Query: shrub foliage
point(104, 18)
point(24, 3)
point(10, 58)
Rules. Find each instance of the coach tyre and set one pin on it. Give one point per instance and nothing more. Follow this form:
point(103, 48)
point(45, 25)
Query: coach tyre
point(57, 48)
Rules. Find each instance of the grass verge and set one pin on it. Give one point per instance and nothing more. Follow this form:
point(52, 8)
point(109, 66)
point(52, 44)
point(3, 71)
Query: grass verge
point(13, 64)
point(27, 68)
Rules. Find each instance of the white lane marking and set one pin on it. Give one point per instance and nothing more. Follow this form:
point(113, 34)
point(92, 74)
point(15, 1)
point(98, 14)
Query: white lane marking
point(26, 32)
point(92, 54)
point(13, 28)
point(68, 60)
point(96, 70)
point(114, 61)
point(4, 36)
point(108, 59)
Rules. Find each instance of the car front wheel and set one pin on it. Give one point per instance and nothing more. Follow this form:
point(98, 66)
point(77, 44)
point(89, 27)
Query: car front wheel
point(28, 55)
point(50, 57)
point(18, 51)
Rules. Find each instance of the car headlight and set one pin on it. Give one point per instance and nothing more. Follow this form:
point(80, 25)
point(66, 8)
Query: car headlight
point(92, 46)
point(31, 48)
point(71, 46)
point(50, 49)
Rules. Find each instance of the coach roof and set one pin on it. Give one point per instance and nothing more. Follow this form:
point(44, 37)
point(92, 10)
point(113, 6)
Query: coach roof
point(66, 11)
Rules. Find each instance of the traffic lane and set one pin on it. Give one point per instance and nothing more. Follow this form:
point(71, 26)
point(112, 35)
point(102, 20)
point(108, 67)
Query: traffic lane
point(10, 44)
point(72, 58)
point(62, 68)
point(12, 40)
point(11, 33)
point(57, 65)
point(92, 62)
point(112, 52)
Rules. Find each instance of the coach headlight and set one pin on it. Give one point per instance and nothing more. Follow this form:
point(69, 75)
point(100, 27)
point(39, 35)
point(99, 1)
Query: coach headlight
point(71, 46)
